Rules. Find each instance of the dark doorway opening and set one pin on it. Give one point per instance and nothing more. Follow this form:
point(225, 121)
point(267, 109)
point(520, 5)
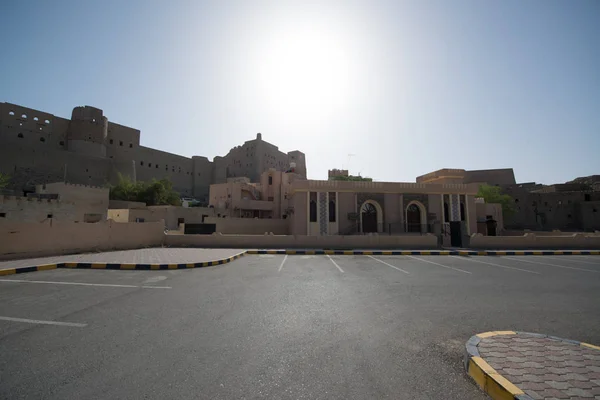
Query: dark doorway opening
point(369, 218)
point(413, 218)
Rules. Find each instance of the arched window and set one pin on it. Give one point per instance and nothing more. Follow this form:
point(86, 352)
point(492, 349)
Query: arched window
point(36, 119)
point(331, 211)
point(24, 116)
point(446, 213)
point(462, 211)
point(11, 113)
point(313, 211)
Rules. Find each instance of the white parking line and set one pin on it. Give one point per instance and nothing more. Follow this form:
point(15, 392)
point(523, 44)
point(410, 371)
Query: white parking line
point(496, 265)
point(334, 263)
point(589, 257)
point(36, 321)
point(281, 266)
point(551, 265)
point(389, 265)
point(571, 258)
point(441, 265)
point(83, 284)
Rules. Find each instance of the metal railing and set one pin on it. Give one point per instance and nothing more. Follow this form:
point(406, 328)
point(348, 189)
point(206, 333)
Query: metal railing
point(387, 229)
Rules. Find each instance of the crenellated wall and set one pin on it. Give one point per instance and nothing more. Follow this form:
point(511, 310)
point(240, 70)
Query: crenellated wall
point(29, 209)
point(38, 147)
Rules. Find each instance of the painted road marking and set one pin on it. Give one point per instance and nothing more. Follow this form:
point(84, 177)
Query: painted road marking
point(334, 263)
point(581, 261)
point(84, 284)
point(281, 266)
point(552, 265)
point(389, 265)
point(155, 279)
point(496, 265)
point(36, 321)
point(441, 265)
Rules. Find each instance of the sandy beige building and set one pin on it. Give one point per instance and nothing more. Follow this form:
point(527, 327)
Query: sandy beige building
point(315, 208)
point(37, 147)
point(57, 202)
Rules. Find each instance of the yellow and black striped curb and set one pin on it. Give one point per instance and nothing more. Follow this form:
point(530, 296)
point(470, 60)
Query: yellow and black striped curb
point(488, 379)
point(146, 267)
point(432, 252)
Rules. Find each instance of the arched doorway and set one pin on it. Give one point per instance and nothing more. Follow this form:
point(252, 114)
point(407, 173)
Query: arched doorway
point(368, 213)
point(415, 217)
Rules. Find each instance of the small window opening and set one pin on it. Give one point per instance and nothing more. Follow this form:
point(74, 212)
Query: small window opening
point(313, 211)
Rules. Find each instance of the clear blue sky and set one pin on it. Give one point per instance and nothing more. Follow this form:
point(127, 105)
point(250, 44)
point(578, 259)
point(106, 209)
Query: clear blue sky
point(408, 87)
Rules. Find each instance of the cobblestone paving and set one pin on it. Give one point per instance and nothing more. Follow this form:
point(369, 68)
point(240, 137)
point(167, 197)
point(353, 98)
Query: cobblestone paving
point(140, 256)
point(544, 368)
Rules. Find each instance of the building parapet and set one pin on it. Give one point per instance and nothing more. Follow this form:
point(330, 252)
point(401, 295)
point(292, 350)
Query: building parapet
point(445, 172)
point(20, 199)
point(383, 187)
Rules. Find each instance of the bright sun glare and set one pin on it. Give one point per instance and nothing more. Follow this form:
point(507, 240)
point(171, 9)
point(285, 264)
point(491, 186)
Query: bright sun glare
point(306, 71)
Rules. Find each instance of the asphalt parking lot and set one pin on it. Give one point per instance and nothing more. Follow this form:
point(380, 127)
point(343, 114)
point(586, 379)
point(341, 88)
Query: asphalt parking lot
point(284, 327)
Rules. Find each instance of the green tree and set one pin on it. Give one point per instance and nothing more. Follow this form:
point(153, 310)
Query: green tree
point(493, 194)
point(352, 178)
point(125, 190)
point(4, 180)
point(154, 193)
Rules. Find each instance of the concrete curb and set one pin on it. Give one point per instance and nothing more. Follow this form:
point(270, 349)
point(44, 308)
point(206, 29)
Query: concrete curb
point(124, 266)
point(45, 267)
point(431, 252)
point(488, 379)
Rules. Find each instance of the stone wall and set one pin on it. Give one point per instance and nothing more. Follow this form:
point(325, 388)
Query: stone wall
point(532, 241)
point(88, 200)
point(250, 226)
point(171, 215)
point(38, 147)
point(29, 209)
point(549, 211)
point(18, 239)
point(303, 242)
